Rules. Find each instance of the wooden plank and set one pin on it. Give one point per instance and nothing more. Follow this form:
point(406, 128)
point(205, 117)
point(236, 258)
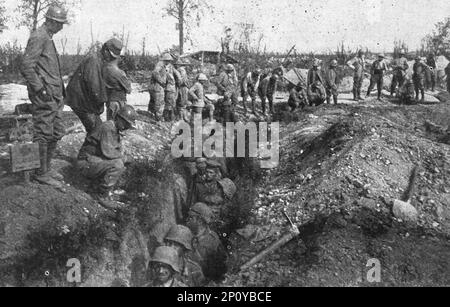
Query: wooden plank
point(24, 157)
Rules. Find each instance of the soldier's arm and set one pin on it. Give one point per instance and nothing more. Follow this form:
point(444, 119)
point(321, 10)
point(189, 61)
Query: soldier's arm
point(108, 145)
point(28, 68)
point(193, 93)
point(220, 83)
point(124, 82)
point(351, 63)
point(95, 84)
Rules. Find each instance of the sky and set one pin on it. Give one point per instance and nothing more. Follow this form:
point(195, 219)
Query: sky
point(311, 25)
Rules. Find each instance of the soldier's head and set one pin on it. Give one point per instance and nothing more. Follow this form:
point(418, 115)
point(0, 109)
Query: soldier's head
point(360, 53)
point(256, 73)
point(402, 53)
point(334, 64)
point(212, 170)
point(126, 118)
point(229, 68)
point(318, 83)
point(381, 57)
point(316, 63)
point(200, 217)
point(165, 263)
point(167, 58)
point(299, 86)
point(203, 79)
point(112, 49)
point(55, 18)
point(179, 237)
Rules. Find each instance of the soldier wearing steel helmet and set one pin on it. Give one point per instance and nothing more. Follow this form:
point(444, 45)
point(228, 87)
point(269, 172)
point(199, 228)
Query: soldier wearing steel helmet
point(249, 87)
point(331, 82)
point(199, 100)
point(227, 86)
point(208, 249)
point(164, 269)
point(400, 67)
point(100, 158)
point(377, 73)
point(419, 76)
point(358, 65)
point(158, 83)
point(315, 73)
point(173, 78)
point(42, 72)
point(180, 237)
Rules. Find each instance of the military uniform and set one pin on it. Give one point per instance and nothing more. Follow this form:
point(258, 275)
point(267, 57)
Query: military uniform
point(358, 63)
point(173, 80)
point(174, 283)
point(297, 98)
point(431, 72)
point(86, 92)
point(267, 89)
point(419, 79)
point(331, 85)
point(210, 254)
point(249, 86)
point(407, 92)
point(314, 75)
point(227, 87)
point(447, 72)
point(400, 66)
point(191, 273)
point(100, 157)
point(377, 74)
point(183, 95)
point(42, 72)
point(157, 87)
point(316, 94)
point(117, 88)
point(197, 95)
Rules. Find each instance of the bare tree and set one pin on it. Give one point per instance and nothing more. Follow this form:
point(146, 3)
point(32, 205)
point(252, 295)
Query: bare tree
point(188, 13)
point(3, 17)
point(33, 11)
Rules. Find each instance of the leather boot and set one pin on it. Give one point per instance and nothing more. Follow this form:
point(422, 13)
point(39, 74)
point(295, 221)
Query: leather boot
point(253, 107)
point(355, 95)
point(423, 96)
point(335, 99)
point(43, 176)
point(51, 147)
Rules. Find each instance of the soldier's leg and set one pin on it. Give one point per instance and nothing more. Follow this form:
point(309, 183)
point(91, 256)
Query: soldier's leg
point(380, 86)
point(106, 172)
point(328, 91)
point(90, 121)
point(422, 89)
point(371, 86)
point(335, 99)
point(263, 104)
point(159, 105)
point(253, 97)
point(244, 94)
point(355, 88)
point(394, 84)
point(211, 110)
point(271, 106)
point(59, 132)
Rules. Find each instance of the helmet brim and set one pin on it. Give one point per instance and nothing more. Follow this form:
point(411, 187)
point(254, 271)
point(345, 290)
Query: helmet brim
point(63, 21)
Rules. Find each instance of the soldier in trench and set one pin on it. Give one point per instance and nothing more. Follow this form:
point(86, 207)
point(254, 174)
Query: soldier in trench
point(164, 269)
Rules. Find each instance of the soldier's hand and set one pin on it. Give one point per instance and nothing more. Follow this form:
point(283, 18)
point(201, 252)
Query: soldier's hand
point(44, 96)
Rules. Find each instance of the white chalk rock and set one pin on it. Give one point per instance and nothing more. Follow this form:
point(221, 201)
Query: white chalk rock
point(405, 212)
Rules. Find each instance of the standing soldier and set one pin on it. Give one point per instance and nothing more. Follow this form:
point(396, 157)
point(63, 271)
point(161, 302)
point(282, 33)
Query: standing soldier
point(42, 72)
point(249, 87)
point(358, 65)
point(227, 87)
point(180, 238)
point(100, 158)
point(315, 74)
point(208, 249)
point(432, 72)
point(157, 87)
point(419, 79)
point(331, 82)
point(164, 268)
point(377, 74)
point(267, 89)
point(183, 93)
point(400, 66)
point(173, 81)
point(86, 92)
point(199, 101)
point(117, 86)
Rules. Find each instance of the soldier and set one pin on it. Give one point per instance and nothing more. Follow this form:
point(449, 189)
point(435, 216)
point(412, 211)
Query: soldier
point(199, 101)
point(419, 79)
point(101, 158)
point(227, 87)
point(316, 94)
point(331, 82)
point(163, 269)
point(226, 42)
point(117, 87)
point(158, 84)
point(173, 81)
point(297, 97)
point(180, 238)
point(86, 92)
point(358, 65)
point(432, 72)
point(42, 72)
point(377, 74)
point(400, 66)
point(183, 93)
point(267, 89)
point(249, 87)
point(407, 90)
point(315, 74)
point(208, 249)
